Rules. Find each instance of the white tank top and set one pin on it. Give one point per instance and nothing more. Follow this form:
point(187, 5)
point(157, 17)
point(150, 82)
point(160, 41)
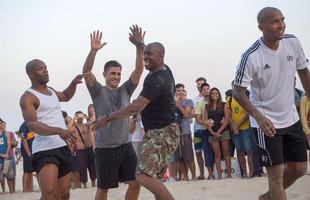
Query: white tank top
point(49, 113)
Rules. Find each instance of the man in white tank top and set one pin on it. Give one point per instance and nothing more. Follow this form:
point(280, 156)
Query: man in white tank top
point(40, 106)
point(269, 67)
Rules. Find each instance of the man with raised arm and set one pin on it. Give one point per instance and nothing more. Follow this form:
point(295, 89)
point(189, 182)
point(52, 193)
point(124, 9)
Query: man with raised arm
point(115, 158)
point(269, 66)
point(40, 106)
point(157, 106)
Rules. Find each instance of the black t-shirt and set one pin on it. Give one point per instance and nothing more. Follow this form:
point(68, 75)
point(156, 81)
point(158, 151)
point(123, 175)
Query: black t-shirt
point(217, 116)
point(158, 87)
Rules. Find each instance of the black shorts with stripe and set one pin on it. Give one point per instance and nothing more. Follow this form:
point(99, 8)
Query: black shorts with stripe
point(288, 145)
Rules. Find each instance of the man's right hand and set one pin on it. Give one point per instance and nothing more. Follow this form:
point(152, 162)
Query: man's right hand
point(267, 126)
point(67, 136)
point(95, 41)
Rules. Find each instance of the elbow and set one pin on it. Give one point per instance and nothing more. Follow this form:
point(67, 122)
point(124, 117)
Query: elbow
point(31, 126)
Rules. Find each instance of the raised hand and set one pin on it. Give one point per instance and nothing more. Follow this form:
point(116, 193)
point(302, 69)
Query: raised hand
point(95, 40)
point(136, 36)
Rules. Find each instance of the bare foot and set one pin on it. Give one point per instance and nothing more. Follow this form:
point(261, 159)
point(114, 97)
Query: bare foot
point(200, 177)
point(264, 196)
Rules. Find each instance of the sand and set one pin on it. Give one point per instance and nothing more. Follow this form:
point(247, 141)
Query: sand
point(226, 189)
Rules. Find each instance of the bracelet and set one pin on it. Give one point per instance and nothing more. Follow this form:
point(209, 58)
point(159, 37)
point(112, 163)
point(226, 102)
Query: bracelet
point(141, 43)
point(108, 119)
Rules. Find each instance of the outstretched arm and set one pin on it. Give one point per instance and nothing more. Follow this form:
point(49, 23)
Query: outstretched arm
point(95, 45)
point(263, 122)
point(68, 93)
point(136, 37)
point(133, 108)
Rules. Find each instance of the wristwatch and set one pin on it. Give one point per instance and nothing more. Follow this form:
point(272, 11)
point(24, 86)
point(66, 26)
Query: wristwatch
point(141, 43)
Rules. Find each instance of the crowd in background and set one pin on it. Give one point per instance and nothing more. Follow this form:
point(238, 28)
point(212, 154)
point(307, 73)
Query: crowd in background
point(212, 128)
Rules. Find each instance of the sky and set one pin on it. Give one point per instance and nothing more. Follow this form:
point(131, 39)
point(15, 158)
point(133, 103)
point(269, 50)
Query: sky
point(201, 37)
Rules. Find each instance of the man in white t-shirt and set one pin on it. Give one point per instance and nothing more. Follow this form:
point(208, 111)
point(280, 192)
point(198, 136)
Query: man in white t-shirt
point(269, 67)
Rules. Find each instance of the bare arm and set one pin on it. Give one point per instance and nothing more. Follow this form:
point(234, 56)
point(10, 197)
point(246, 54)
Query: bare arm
point(303, 115)
point(226, 118)
point(304, 76)
point(133, 108)
point(28, 104)
point(263, 122)
point(26, 146)
point(132, 125)
point(186, 112)
point(68, 93)
point(136, 37)
point(95, 44)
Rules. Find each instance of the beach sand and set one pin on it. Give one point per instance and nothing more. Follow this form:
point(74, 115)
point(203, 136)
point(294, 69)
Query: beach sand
point(226, 189)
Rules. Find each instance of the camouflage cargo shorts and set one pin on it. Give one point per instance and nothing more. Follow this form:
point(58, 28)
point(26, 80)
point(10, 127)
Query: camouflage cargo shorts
point(157, 147)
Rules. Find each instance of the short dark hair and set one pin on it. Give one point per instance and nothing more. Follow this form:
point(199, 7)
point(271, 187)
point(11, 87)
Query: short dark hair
point(111, 63)
point(1, 121)
point(229, 93)
point(201, 79)
point(203, 85)
point(78, 112)
point(177, 86)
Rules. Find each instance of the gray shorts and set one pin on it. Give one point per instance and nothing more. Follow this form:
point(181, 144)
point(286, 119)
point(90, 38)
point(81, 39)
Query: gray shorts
point(10, 173)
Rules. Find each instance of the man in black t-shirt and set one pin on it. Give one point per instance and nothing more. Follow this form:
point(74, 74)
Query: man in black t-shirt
point(156, 104)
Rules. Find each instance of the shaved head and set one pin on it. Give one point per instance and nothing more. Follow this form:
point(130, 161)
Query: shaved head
point(158, 46)
point(265, 13)
point(31, 64)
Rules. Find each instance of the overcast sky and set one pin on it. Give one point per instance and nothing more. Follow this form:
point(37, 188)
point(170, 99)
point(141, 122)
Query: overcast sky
point(202, 38)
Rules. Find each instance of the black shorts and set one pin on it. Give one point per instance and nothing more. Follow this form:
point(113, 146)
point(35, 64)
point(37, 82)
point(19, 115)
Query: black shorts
point(27, 164)
point(288, 145)
point(27, 160)
point(60, 156)
point(115, 165)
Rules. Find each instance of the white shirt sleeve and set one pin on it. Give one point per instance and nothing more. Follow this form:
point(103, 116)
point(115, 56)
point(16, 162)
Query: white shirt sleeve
point(245, 71)
point(301, 60)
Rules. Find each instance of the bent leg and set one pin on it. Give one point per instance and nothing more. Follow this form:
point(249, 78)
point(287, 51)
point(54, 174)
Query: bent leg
point(101, 194)
point(63, 191)
point(133, 190)
point(155, 186)
point(47, 179)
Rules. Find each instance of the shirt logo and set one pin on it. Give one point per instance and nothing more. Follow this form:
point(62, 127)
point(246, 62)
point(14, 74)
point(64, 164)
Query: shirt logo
point(267, 66)
point(290, 58)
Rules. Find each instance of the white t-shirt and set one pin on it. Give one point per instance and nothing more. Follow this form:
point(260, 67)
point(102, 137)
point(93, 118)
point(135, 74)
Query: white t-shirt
point(196, 100)
point(270, 73)
point(137, 135)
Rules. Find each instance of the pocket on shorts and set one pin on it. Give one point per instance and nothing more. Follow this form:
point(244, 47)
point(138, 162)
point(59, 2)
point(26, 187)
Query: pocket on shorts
point(173, 130)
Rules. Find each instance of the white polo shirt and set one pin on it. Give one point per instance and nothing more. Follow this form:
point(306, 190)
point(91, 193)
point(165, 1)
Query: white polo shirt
point(270, 74)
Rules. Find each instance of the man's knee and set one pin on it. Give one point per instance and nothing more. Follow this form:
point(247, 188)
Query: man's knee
point(141, 178)
point(299, 169)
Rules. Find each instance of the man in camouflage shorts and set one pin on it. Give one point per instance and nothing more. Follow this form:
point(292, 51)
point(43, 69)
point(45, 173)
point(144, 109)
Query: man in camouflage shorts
point(162, 135)
point(157, 147)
